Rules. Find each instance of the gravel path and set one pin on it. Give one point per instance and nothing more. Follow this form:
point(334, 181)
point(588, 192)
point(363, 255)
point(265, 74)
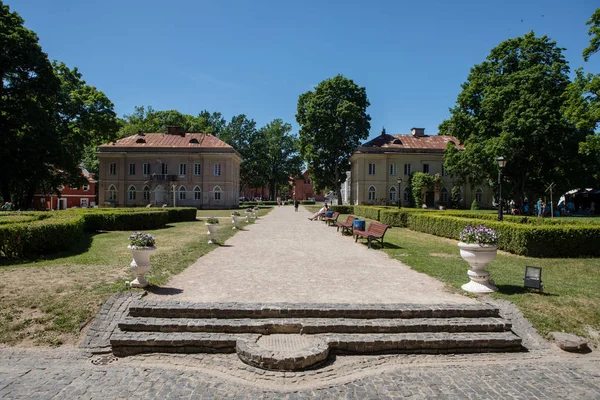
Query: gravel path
point(284, 257)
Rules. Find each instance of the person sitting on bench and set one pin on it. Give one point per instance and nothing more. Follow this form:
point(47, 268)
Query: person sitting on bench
point(321, 212)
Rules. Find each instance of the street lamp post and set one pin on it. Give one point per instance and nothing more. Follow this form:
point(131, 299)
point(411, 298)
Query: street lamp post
point(399, 180)
point(501, 163)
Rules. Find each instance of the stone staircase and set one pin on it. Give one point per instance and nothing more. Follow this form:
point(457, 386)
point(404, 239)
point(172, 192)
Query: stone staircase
point(287, 336)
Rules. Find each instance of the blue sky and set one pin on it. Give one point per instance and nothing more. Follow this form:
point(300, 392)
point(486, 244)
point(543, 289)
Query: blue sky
point(256, 57)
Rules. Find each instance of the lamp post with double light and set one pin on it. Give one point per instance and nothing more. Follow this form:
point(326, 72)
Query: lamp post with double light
point(501, 164)
point(399, 180)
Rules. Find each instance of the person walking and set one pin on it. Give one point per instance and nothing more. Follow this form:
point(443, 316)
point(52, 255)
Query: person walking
point(296, 203)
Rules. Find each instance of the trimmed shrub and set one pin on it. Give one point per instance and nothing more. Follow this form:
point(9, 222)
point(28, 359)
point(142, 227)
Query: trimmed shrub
point(367, 212)
point(307, 202)
point(181, 214)
point(344, 209)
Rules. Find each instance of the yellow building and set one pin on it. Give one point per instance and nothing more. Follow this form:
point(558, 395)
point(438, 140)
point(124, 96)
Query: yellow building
point(377, 165)
point(173, 168)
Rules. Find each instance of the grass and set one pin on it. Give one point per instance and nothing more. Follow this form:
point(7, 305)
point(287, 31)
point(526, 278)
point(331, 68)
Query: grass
point(46, 301)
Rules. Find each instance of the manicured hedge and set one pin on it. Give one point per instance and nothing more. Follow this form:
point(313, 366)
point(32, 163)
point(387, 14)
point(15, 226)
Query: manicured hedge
point(367, 211)
point(54, 231)
point(344, 209)
point(307, 202)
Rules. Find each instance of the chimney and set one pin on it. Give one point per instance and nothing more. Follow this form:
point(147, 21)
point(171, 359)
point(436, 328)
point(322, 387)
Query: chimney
point(417, 132)
point(175, 130)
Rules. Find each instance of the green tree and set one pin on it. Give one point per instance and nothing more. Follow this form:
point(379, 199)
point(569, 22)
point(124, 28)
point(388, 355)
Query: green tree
point(511, 106)
point(333, 120)
point(280, 150)
point(594, 32)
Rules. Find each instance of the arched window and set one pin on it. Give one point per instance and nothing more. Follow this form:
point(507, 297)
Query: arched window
point(479, 195)
point(146, 193)
point(406, 194)
point(444, 195)
point(393, 194)
point(459, 196)
point(217, 193)
point(112, 192)
point(182, 192)
point(372, 193)
point(197, 193)
point(131, 192)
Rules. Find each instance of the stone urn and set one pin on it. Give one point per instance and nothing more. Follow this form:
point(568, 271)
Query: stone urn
point(478, 257)
point(235, 220)
point(256, 212)
point(212, 232)
point(248, 215)
point(140, 264)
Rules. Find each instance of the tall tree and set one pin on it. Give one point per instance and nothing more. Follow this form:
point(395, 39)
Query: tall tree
point(594, 33)
point(281, 158)
point(510, 106)
point(48, 115)
point(333, 120)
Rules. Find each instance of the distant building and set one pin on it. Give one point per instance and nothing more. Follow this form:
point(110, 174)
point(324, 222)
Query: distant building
point(377, 165)
point(173, 168)
point(83, 196)
point(302, 189)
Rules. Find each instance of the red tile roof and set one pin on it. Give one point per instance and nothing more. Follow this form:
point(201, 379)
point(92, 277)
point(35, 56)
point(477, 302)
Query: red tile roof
point(408, 144)
point(162, 140)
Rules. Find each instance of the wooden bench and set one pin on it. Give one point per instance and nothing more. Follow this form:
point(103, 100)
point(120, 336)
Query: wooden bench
point(375, 231)
point(347, 226)
point(331, 220)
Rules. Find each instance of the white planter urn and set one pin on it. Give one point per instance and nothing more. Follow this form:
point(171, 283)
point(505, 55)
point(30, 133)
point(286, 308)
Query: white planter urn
point(235, 220)
point(478, 258)
point(140, 264)
point(248, 215)
point(256, 213)
point(212, 232)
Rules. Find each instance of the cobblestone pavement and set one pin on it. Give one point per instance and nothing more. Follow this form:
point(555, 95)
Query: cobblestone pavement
point(60, 374)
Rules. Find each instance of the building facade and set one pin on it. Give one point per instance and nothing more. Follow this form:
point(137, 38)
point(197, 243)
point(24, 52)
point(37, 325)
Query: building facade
point(83, 196)
point(173, 168)
point(302, 189)
point(377, 166)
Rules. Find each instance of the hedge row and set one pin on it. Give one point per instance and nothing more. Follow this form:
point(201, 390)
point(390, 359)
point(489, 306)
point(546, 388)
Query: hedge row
point(61, 230)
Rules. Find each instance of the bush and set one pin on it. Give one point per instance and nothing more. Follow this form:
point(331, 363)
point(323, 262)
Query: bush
point(181, 214)
point(367, 212)
point(307, 202)
point(474, 205)
point(344, 209)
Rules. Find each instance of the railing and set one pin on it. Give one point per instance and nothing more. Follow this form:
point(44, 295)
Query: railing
point(163, 177)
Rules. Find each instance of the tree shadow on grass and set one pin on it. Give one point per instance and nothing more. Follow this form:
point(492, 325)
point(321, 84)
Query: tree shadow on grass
point(513, 289)
point(81, 246)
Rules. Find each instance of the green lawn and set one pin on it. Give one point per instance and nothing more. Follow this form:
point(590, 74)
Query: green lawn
point(44, 302)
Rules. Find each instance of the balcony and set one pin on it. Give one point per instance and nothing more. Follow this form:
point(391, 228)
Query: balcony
point(163, 178)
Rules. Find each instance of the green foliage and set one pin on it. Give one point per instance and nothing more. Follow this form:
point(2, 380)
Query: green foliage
point(342, 209)
point(333, 120)
point(212, 220)
point(140, 239)
point(511, 106)
point(47, 233)
point(368, 212)
point(307, 202)
point(456, 197)
point(594, 33)
point(474, 205)
point(419, 181)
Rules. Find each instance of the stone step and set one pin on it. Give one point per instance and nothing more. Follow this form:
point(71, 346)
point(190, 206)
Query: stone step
point(130, 343)
point(163, 309)
point(314, 325)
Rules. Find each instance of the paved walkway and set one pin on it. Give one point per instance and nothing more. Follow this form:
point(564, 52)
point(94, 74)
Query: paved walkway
point(284, 257)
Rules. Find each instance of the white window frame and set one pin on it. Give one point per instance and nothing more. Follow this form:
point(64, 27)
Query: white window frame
point(371, 168)
point(132, 169)
point(182, 192)
point(392, 194)
point(182, 169)
point(197, 169)
point(164, 169)
point(112, 168)
point(217, 193)
point(131, 194)
point(406, 169)
point(372, 193)
point(444, 195)
point(217, 169)
point(479, 195)
point(146, 193)
point(393, 169)
point(146, 168)
point(86, 188)
point(112, 192)
point(406, 194)
point(197, 193)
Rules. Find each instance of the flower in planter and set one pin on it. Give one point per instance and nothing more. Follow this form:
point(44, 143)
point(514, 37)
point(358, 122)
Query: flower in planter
point(256, 208)
point(212, 220)
point(480, 234)
point(235, 213)
point(140, 239)
point(249, 209)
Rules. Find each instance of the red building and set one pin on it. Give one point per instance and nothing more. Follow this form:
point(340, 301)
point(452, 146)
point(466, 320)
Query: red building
point(303, 189)
point(84, 196)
